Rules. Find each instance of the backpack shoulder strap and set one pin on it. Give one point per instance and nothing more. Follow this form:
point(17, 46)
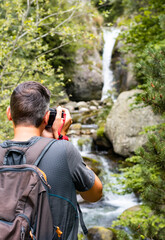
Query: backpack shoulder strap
point(33, 152)
point(2, 154)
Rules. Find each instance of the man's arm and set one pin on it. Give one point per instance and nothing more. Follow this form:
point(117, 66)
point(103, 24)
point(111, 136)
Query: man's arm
point(95, 193)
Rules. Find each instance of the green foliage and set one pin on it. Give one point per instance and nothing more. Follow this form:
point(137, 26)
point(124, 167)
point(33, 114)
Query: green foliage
point(110, 9)
point(146, 178)
point(83, 141)
point(143, 43)
point(145, 31)
point(144, 224)
point(151, 69)
point(38, 43)
point(104, 112)
point(100, 131)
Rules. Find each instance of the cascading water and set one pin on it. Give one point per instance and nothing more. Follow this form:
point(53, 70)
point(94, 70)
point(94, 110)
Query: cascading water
point(110, 36)
point(104, 212)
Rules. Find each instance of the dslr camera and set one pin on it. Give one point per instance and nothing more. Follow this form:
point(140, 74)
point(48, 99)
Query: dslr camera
point(52, 117)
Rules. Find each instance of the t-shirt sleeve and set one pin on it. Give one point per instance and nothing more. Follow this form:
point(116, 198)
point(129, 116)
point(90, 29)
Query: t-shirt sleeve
point(82, 177)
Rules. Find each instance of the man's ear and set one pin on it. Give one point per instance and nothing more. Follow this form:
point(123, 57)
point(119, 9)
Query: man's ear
point(8, 112)
point(46, 117)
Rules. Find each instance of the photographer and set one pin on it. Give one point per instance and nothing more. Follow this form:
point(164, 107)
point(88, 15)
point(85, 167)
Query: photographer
point(66, 172)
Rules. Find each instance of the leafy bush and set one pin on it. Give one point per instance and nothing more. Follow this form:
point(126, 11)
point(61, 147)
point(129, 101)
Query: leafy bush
point(151, 69)
point(146, 178)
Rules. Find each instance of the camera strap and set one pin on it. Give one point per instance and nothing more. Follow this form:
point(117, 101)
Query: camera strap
point(61, 137)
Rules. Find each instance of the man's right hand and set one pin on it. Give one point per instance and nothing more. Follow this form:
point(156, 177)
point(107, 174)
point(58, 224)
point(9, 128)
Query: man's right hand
point(59, 124)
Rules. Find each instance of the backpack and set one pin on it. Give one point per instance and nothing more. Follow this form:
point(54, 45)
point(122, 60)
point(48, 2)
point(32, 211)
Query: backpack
point(24, 205)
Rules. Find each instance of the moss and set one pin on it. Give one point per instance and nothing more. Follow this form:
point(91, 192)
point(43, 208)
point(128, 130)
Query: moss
point(83, 141)
point(100, 132)
point(93, 164)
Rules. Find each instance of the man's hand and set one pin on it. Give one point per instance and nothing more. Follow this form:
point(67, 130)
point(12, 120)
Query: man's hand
point(68, 121)
point(59, 123)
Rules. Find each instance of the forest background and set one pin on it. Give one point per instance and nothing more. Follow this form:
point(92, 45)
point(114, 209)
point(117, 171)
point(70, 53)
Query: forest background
point(39, 40)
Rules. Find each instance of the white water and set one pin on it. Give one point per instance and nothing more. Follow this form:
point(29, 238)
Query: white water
point(104, 212)
point(110, 36)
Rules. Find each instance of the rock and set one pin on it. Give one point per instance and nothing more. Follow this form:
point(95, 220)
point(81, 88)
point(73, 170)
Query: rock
point(94, 103)
point(82, 104)
point(71, 106)
point(86, 84)
point(100, 233)
point(100, 143)
point(75, 126)
point(131, 211)
point(123, 126)
point(87, 79)
point(83, 109)
point(93, 108)
point(122, 70)
point(93, 164)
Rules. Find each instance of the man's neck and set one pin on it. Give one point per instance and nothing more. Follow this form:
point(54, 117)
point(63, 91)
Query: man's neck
point(24, 133)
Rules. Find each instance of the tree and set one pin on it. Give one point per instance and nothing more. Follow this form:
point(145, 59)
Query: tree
point(31, 33)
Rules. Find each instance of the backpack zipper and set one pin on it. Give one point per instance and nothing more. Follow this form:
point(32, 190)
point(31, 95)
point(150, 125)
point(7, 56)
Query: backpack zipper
point(26, 169)
point(22, 233)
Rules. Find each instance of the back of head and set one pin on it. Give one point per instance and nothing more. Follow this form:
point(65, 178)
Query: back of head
point(29, 103)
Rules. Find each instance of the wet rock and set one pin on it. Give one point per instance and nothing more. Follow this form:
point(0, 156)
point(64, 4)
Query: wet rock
point(83, 109)
point(122, 69)
point(94, 103)
point(71, 106)
point(81, 104)
point(100, 143)
point(93, 164)
point(93, 108)
point(130, 211)
point(75, 126)
point(100, 233)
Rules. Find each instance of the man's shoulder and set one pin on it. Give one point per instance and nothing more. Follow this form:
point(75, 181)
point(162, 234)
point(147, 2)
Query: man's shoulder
point(64, 144)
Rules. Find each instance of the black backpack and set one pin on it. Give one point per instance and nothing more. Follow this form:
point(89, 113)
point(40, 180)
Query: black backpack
point(24, 205)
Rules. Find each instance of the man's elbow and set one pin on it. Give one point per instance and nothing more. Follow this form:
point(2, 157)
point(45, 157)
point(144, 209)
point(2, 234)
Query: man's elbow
point(94, 194)
point(98, 194)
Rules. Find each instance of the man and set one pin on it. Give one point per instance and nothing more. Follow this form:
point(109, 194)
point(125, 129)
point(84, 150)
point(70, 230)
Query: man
point(66, 172)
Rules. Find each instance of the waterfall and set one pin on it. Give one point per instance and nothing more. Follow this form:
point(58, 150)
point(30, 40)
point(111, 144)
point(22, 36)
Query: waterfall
point(110, 36)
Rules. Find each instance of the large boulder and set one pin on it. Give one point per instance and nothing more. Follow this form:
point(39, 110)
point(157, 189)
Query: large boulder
point(123, 125)
point(87, 81)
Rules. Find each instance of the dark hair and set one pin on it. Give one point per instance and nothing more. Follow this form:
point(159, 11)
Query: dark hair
point(29, 103)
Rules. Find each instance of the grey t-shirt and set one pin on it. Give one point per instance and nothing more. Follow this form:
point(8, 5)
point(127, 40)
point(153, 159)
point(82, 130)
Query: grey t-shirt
point(66, 172)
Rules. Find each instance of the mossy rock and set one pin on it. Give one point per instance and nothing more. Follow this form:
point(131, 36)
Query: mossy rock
point(100, 233)
point(93, 164)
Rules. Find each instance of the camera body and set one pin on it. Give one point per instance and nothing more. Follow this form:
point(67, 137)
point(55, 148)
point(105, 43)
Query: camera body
point(52, 117)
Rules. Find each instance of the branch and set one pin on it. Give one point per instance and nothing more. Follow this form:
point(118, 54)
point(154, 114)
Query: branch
point(16, 40)
point(46, 34)
point(53, 49)
point(54, 14)
point(37, 13)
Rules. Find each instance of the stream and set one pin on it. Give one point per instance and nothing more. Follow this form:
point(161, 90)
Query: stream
point(105, 211)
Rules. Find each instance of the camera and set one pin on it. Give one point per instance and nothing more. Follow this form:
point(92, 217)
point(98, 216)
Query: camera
point(52, 117)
